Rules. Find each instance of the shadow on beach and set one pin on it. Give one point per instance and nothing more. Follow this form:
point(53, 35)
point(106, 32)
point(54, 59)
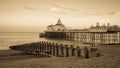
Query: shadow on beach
point(12, 55)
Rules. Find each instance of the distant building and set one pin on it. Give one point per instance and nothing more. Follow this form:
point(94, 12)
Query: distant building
point(57, 27)
point(99, 28)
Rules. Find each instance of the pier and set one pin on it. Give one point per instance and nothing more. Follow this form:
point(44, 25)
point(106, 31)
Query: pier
point(86, 37)
point(106, 35)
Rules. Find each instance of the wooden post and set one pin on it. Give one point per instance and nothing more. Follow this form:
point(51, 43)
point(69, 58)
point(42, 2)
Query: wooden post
point(72, 50)
point(61, 50)
point(66, 50)
point(42, 49)
point(47, 44)
point(78, 51)
point(50, 50)
point(86, 52)
point(45, 49)
point(56, 50)
point(40, 46)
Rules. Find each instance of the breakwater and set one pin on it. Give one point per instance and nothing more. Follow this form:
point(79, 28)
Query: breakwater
point(49, 49)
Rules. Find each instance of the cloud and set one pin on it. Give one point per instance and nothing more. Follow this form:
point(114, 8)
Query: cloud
point(95, 11)
point(114, 13)
point(30, 8)
point(63, 7)
point(79, 12)
point(53, 9)
point(91, 11)
point(59, 5)
point(57, 11)
point(99, 12)
point(111, 13)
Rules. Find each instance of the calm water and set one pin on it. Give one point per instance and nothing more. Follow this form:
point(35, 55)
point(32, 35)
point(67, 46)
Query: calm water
point(8, 39)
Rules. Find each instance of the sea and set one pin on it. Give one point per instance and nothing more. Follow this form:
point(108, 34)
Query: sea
point(18, 38)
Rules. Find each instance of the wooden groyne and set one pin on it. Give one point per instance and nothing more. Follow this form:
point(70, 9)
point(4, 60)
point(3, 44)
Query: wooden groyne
point(50, 49)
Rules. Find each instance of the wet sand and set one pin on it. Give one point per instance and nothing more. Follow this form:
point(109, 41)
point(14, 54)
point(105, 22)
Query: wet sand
point(17, 59)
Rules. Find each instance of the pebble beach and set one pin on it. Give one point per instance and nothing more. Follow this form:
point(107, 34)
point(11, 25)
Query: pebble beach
point(110, 58)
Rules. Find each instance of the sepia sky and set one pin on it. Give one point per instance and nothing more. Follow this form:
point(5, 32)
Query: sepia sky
point(35, 15)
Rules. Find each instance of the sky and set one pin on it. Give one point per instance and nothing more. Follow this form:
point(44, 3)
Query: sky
point(35, 15)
